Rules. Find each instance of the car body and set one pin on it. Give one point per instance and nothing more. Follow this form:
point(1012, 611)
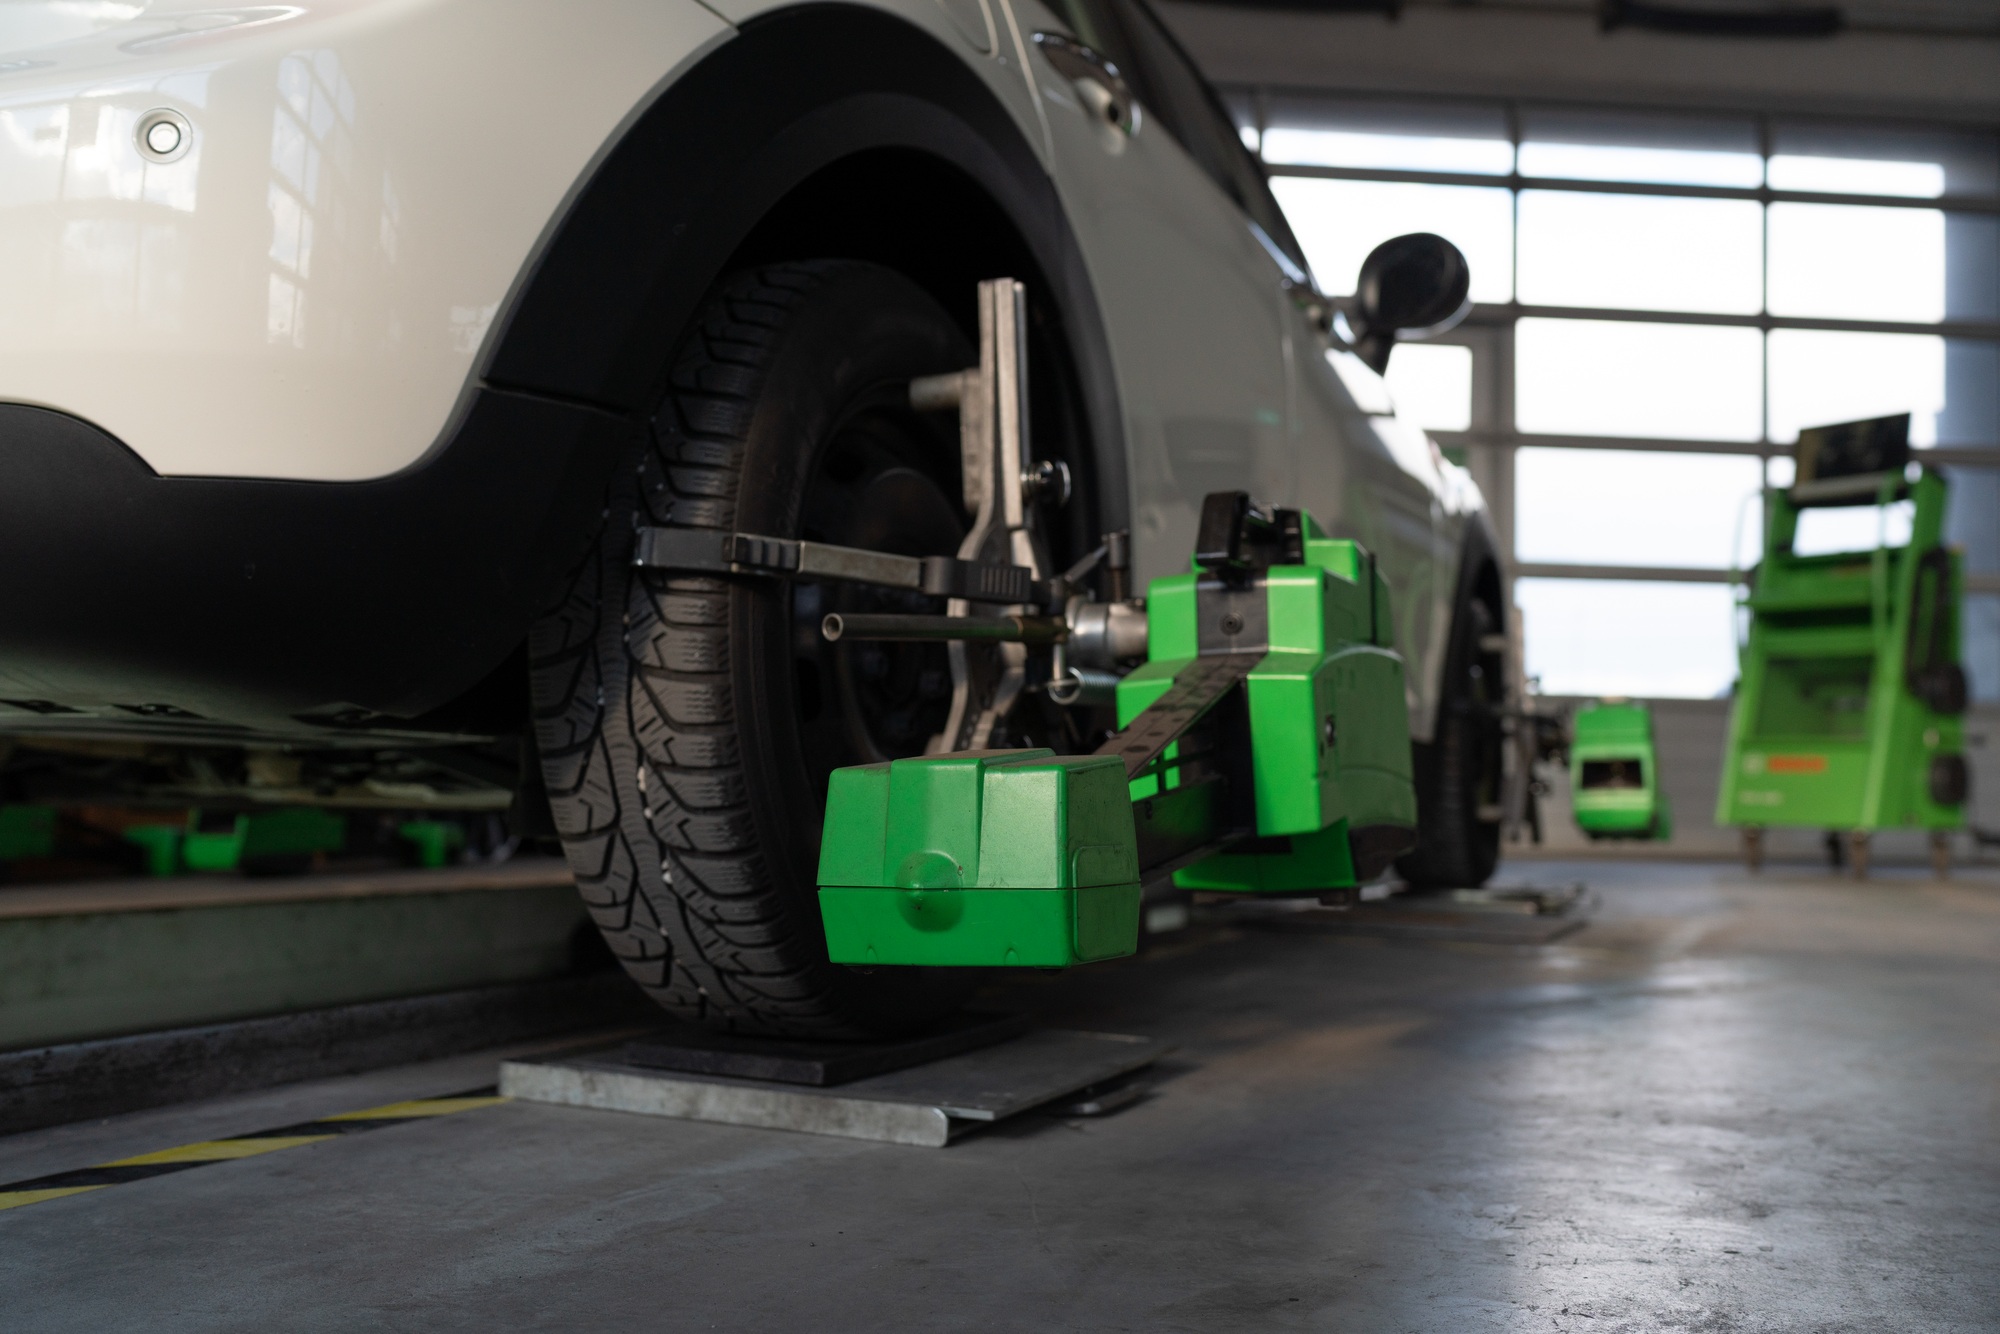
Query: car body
point(302, 419)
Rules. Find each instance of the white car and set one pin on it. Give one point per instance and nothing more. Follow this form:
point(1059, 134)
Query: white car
point(344, 347)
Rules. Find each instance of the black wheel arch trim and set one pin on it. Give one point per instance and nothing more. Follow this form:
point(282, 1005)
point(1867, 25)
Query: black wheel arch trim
point(670, 206)
point(253, 602)
point(1478, 553)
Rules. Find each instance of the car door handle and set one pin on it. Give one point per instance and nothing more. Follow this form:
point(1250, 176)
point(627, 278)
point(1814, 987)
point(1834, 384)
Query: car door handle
point(1105, 93)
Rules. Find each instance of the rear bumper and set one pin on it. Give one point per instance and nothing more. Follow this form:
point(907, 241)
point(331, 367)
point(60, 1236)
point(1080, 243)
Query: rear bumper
point(231, 609)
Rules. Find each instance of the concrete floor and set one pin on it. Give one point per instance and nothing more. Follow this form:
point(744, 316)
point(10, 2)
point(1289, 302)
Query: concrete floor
point(1725, 1105)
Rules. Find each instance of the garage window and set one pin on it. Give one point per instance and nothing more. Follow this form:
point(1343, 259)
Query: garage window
point(1661, 304)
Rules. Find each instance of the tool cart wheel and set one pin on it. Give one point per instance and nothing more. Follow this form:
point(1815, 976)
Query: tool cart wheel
point(687, 725)
point(1460, 772)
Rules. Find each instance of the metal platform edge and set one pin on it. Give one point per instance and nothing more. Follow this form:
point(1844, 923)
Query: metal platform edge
point(884, 1109)
point(693, 1098)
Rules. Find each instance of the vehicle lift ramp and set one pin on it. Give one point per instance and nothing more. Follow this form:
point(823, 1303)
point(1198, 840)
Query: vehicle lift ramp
point(1847, 714)
point(1262, 741)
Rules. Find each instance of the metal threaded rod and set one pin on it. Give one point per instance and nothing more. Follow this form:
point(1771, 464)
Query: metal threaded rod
point(1013, 629)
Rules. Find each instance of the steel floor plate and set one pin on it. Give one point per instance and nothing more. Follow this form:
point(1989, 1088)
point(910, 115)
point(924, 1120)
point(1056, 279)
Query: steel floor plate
point(926, 1105)
point(691, 1050)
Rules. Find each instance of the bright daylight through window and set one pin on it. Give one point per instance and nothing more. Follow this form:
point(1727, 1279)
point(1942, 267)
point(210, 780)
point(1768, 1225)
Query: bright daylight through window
point(1662, 304)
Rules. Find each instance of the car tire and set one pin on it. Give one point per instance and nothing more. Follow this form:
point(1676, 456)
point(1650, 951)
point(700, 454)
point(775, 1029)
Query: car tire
point(1459, 772)
point(686, 725)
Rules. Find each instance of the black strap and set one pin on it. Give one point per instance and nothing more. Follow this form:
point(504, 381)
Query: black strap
point(1197, 688)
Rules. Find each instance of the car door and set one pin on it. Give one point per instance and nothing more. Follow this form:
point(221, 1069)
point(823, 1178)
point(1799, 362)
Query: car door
point(1375, 476)
point(1226, 385)
point(1190, 297)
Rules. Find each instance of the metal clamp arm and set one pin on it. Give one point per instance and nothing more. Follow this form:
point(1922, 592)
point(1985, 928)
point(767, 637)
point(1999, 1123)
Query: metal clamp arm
point(710, 551)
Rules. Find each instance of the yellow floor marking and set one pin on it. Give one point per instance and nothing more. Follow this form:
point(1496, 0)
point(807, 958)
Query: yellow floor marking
point(220, 1150)
point(418, 1107)
point(250, 1146)
point(14, 1199)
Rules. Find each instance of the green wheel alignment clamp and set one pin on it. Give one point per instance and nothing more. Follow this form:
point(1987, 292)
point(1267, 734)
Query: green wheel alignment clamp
point(1264, 747)
point(1847, 711)
point(1615, 785)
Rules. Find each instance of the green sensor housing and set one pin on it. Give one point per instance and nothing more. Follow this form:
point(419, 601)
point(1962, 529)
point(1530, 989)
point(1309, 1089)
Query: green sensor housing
point(259, 839)
point(1329, 726)
point(1019, 858)
point(1615, 774)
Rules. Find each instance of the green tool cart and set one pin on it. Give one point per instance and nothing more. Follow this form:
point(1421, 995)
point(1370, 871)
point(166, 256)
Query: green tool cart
point(1614, 769)
point(1847, 713)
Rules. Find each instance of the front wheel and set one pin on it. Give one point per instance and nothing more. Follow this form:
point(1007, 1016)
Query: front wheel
point(687, 725)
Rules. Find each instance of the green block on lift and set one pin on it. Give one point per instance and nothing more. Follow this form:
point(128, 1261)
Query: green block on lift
point(161, 844)
point(27, 831)
point(1616, 789)
point(260, 838)
point(1020, 858)
point(433, 843)
point(214, 844)
point(296, 832)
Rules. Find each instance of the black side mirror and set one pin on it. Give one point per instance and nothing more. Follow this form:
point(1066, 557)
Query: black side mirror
point(1416, 285)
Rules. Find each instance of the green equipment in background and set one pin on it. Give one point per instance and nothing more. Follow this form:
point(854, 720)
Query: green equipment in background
point(1263, 747)
point(161, 844)
point(432, 843)
point(212, 841)
point(257, 842)
point(1614, 770)
point(27, 831)
point(1847, 711)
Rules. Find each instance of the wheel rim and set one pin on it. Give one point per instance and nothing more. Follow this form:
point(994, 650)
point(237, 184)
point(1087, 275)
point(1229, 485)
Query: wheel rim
point(876, 485)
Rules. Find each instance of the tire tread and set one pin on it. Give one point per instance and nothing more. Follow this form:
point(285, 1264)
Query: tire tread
point(635, 712)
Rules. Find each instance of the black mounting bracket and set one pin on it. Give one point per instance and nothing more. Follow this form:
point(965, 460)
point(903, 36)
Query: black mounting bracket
point(711, 551)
